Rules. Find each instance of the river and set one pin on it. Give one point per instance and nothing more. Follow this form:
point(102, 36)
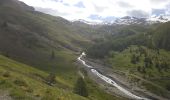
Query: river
point(110, 81)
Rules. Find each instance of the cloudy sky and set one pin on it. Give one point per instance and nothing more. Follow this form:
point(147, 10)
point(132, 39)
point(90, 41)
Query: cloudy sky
point(101, 10)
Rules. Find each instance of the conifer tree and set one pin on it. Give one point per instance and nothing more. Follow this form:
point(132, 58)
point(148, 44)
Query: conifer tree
point(80, 87)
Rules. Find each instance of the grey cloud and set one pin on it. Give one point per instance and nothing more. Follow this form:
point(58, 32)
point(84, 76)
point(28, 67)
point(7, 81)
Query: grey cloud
point(124, 4)
point(138, 13)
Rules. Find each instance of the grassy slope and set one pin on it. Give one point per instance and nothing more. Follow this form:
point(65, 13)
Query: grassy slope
point(30, 37)
point(155, 37)
point(161, 36)
point(157, 83)
point(25, 82)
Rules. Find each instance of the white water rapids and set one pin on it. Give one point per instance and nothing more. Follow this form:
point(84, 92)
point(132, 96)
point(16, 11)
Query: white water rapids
point(110, 81)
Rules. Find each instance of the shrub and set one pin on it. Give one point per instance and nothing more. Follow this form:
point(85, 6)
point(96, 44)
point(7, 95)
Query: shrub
point(6, 74)
point(20, 82)
point(168, 87)
point(51, 79)
point(48, 95)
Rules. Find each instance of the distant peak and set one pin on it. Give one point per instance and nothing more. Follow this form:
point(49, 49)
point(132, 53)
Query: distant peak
point(87, 22)
point(128, 20)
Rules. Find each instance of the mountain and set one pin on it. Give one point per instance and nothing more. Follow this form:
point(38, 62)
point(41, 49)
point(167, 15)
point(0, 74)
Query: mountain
point(86, 22)
point(129, 20)
point(143, 56)
point(35, 47)
point(154, 36)
point(159, 19)
point(16, 4)
point(24, 30)
point(46, 42)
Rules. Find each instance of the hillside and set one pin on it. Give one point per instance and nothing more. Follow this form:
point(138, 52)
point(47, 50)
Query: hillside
point(33, 46)
point(142, 58)
point(36, 39)
point(38, 56)
point(161, 36)
point(24, 82)
point(31, 37)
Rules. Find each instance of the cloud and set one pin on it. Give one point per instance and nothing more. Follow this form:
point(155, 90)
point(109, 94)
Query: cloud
point(104, 19)
point(138, 13)
point(86, 9)
point(158, 1)
point(99, 8)
point(159, 4)
point(167, 12)
point(57, 0)
point(158, 11)
point(51, 11)
point(80, 5)
point(124, 4)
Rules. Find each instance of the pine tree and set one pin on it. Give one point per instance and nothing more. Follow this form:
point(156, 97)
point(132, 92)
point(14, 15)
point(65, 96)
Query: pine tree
point(158, 52)
point(80, 87)
point(133, 59)
point(148, 62)
point(158, 66)
point(52, 55)
point(137, 59)
point(143, 70)
point(139, 69)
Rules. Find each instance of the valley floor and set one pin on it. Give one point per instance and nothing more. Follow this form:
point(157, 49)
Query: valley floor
point(120, 78)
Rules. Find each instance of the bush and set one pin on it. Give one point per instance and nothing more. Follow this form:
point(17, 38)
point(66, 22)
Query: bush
point(51, 79)
point(6, 74)
point(168, 87)
point(20, 82)
point(133, 59)
point(48, 95)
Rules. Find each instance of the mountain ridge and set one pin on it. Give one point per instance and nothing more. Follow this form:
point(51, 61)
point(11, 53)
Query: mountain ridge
point(129, 20)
